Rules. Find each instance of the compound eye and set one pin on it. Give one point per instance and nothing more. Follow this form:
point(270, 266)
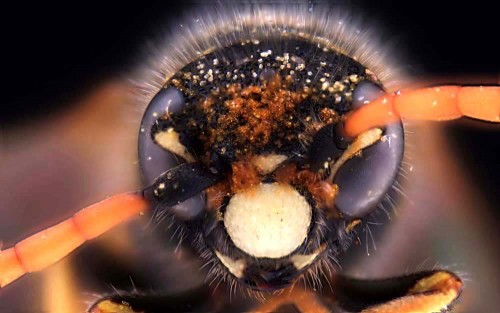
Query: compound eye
point(365, 92)
point(153, 159)
point(365, 180)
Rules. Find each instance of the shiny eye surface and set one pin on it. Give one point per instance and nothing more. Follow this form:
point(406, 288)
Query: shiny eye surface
point(253, 130)
point(366, 179)
point(153, 159)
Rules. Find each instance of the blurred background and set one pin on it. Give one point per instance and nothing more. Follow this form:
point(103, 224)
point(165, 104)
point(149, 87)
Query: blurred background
point(68, 131)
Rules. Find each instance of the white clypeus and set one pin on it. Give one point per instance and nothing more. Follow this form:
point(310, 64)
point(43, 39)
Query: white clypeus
point(268, 221)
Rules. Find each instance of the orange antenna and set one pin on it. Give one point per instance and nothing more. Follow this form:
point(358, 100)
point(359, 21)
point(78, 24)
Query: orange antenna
point(47, 247)
point(434, 104)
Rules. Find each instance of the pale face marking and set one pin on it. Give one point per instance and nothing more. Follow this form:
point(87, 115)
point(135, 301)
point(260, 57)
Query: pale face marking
point(268, 221)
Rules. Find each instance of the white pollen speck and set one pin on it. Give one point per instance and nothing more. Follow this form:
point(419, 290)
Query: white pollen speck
point(266, 53)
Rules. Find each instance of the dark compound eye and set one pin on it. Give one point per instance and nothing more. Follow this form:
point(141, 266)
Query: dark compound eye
point(365, 180)
point(155, 160)
point(365, 92)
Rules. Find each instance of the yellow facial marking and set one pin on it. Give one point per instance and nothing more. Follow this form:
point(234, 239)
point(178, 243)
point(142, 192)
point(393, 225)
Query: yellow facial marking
point(361, 142)
point(170, 140)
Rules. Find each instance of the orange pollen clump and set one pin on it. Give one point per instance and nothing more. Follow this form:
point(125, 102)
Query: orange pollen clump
point(215, 194)
point(244, 176)
point(286, 174)
point(323, 192)
point(257, 115)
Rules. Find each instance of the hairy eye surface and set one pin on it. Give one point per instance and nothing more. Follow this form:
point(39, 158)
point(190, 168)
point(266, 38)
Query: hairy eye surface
point(244, 144)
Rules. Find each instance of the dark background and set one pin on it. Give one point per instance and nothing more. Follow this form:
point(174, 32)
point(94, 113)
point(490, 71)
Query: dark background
point(53, 53)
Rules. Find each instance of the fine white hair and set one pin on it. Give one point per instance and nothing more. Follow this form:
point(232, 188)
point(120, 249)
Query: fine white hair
point(216, 26)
